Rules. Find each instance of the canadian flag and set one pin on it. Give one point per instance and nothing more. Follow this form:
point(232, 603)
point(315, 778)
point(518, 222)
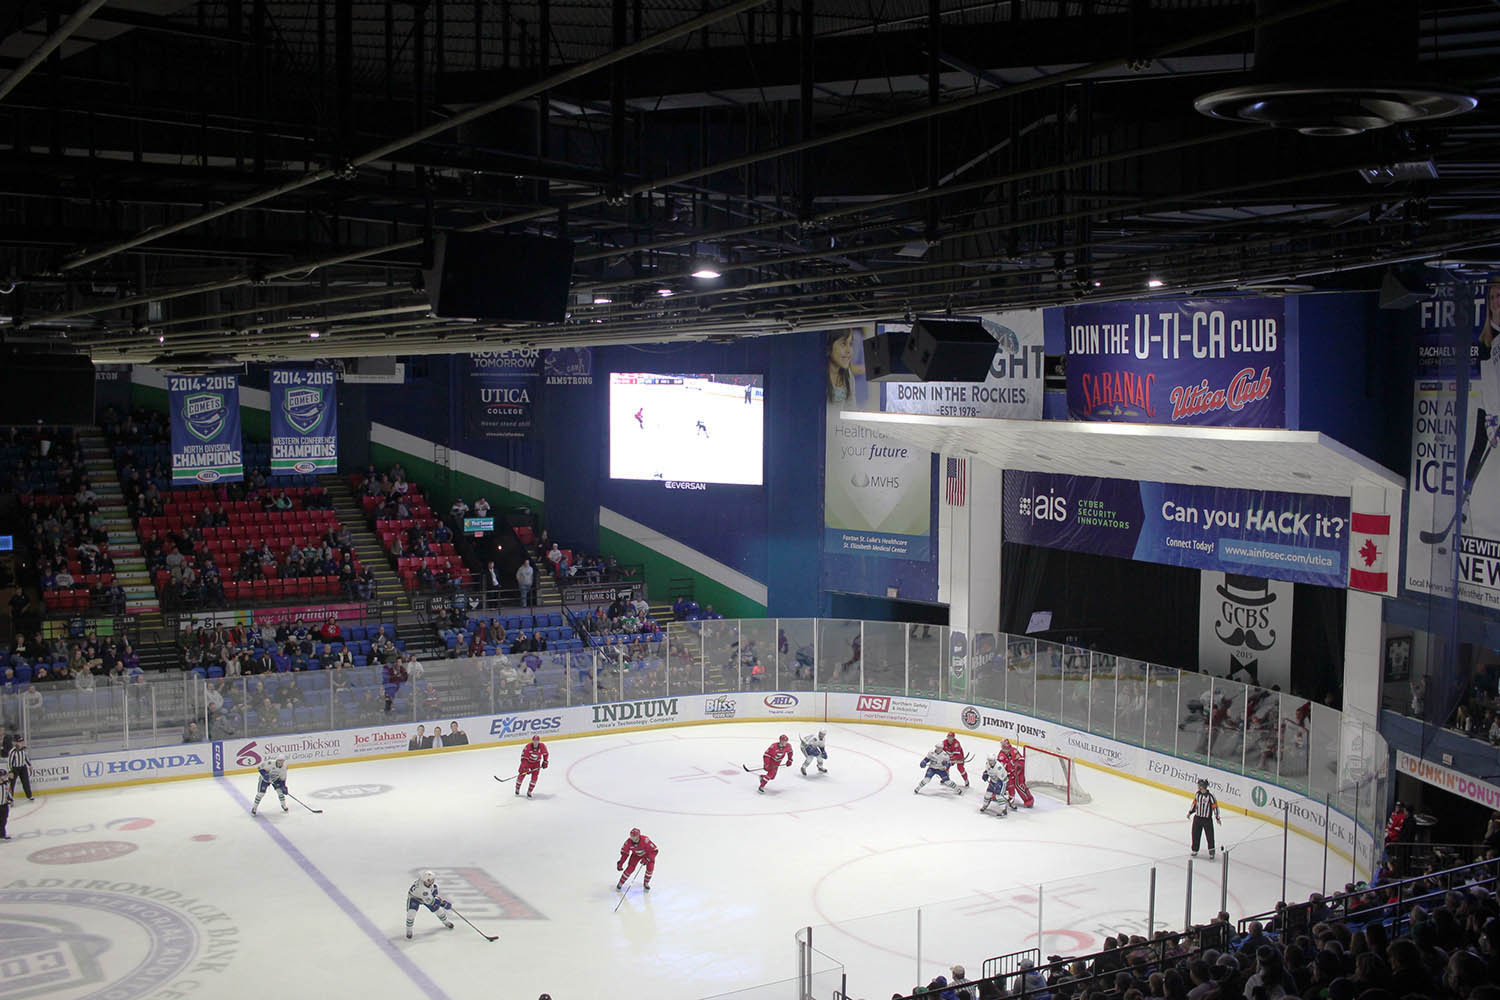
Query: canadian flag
point(1369, 540)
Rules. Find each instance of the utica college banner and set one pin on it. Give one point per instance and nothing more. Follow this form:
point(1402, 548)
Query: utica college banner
point(205, 414)
point(1194, 362)
point(498, 390)
point(304, 421)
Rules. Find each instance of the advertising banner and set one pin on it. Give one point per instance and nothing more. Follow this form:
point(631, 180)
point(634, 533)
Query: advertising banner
point(1449, 780)
point(1245, 629)
point(304, 421)
point(498, 390)
point(568, 366)
point(1013, 388)
point(205, 411)
point(877, 491)
point(1192, 362)
point(1286, 536)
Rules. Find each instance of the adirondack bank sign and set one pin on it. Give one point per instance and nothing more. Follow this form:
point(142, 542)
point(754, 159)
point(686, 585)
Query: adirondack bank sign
point(1448, 779)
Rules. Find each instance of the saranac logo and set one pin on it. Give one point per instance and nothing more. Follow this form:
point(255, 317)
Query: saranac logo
point(719, 707)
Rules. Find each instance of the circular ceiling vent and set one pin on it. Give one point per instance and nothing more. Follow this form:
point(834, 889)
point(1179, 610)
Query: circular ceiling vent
point(1333, 109)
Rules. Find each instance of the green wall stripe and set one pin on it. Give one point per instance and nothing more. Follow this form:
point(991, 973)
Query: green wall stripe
point(660, 570)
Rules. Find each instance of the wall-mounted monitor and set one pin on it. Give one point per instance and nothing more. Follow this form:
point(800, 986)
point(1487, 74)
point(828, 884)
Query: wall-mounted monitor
point(687, 428)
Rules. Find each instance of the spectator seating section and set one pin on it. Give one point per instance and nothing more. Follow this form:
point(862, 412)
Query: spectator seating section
point(444, 560)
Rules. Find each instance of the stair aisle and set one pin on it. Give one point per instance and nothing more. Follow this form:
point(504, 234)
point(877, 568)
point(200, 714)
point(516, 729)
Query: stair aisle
point(366, 545)
point(124, 543)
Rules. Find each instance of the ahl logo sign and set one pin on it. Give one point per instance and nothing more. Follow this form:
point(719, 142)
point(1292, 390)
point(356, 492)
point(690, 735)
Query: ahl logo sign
point(719, 707)
point(781, 704)
point(879, 704)
point(477, 893)
point(970, 717)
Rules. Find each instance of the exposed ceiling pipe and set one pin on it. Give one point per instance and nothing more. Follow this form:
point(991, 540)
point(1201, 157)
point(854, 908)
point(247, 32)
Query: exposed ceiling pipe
point(49, 45)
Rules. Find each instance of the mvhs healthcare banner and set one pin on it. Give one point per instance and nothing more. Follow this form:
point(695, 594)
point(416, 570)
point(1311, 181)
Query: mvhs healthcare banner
point(1213, 362)
point(498, 390)
point(1013, 388)
point(1287, 536)
point(205, 429)
point(304, 421)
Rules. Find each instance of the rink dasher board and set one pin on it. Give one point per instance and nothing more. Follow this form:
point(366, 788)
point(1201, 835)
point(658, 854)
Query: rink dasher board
point(984, 727)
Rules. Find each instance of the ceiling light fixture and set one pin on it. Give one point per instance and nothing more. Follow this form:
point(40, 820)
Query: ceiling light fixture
point(705, 272)
point(314, 334)
point(665, 293)
point(602, 300)
point(1154, 282)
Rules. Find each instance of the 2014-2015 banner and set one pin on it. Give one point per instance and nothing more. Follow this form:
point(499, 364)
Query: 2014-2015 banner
point(205, 418)
point(1193, 362)
point(304, 421)
point(1283, 536)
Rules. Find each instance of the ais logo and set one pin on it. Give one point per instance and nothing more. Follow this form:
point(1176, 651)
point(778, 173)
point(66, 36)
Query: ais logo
point(1044, 507)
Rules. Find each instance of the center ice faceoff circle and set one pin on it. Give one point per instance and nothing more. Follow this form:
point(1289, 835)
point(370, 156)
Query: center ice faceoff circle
point(692, 775)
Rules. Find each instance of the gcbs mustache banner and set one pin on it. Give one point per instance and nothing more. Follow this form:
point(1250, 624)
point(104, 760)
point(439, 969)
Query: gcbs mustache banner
point(498, 390)
point(1245, 629)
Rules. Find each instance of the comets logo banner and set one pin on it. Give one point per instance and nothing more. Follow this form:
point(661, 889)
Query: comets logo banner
point(205, 412)
point(304, 421)
point(1193, 362)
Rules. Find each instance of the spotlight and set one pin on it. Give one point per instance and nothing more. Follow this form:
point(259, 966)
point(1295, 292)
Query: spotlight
point(314, 334)
point(665, 293)
point(705, 273)
point(602, 300)
point(1154, 282)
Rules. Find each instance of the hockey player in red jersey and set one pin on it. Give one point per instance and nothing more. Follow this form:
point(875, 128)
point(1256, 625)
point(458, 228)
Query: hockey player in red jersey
point(533, 759)
point(955, 751)
point(776, 755)
point(1015, 772)
point(638, 848)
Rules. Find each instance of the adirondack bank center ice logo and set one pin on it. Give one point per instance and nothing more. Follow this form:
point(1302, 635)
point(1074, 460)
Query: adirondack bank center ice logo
point(70, 939)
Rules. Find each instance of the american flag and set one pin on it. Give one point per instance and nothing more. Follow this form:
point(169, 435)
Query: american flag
point(958, 478)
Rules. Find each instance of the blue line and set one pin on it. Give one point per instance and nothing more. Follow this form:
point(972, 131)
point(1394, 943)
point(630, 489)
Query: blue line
point(427, 986)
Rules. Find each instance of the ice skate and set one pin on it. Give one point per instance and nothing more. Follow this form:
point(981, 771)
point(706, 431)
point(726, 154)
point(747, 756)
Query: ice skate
point(408, 934)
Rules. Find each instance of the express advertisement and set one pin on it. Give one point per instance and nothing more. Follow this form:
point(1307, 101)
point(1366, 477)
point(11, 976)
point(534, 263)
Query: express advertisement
point(498, 390)
point(1192, 362)
point(1284, 536)
point(304, 421)
point(205, 416)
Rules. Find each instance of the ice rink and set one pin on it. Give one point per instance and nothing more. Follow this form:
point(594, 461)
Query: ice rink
point(667, 443)
point(174, 890)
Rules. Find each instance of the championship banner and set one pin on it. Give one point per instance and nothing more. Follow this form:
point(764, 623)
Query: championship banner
point(1012, 390)
point(877, 490)
point(1193, 362)
point(1287, 536)
point(498, 392)
point(1245, 629)
point(205, 412)
point(1447, 519)
point(304, 421)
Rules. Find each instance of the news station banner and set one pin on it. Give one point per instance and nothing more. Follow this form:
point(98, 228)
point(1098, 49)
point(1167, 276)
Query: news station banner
point(1193, 362)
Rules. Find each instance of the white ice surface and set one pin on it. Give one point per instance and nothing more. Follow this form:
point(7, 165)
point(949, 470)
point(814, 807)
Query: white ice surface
point(304, 905)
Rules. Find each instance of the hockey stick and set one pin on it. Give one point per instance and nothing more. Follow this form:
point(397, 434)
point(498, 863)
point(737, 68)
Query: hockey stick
point(503, 781)
point(304, 805)
point(625, 891)
point(754, 770)
point(492, 938)
point(1434, 537)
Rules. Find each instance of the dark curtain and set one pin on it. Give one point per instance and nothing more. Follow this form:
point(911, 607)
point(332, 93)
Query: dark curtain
point(1318, 644)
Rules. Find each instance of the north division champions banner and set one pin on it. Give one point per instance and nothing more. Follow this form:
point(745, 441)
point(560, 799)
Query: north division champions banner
point(1194, 362)
point(1285, 536)
point(304, 421)
point(205, 412)
point(1012, 390)
point(498, 390)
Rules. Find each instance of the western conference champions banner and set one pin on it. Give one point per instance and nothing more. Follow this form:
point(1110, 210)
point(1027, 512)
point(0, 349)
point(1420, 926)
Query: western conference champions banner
point(1192, 362)
point(1245, 629)
point(1288, 536)
point(877, 490)
point(205, 412)
point(1013, 388)
point(498, 392)
point(304, 421)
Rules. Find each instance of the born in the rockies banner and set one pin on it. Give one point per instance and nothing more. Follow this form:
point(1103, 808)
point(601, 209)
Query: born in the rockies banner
point(304, 421)
point(1013, 389)
point(205, 413)
point(498, 391)
point(1282, 536)
point(1198, 362)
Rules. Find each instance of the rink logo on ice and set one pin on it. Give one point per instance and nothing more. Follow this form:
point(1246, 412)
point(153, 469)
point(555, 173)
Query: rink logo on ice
point(719, 707)
point(78, 854)
point(781, 704)
point(477, 893)
point(122, 940)
point(630, 712)
point(351, 791)
point(519, 725)
point(127, 823)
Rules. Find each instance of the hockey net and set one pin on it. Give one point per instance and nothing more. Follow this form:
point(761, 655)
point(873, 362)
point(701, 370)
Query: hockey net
point(1053, 773)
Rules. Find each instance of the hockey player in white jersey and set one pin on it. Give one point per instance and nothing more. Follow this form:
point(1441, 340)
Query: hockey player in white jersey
point(937, 762)
point(272, 775)
point(994, 786)
point(424, 892)
point(813, 749)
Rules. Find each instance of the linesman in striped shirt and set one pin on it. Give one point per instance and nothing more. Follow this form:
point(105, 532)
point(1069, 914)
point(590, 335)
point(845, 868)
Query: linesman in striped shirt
point(20, 766)
point(5, 800)
point(1205, 812)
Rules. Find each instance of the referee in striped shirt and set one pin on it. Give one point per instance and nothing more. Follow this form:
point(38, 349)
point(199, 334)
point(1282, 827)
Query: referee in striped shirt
point(1204, 807)
point(5, 799)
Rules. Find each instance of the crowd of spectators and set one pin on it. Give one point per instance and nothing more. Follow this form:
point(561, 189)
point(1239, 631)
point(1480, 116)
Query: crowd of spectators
point(84, 663)
point(1477, 714)
point(620, 618)
point(419, 544)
